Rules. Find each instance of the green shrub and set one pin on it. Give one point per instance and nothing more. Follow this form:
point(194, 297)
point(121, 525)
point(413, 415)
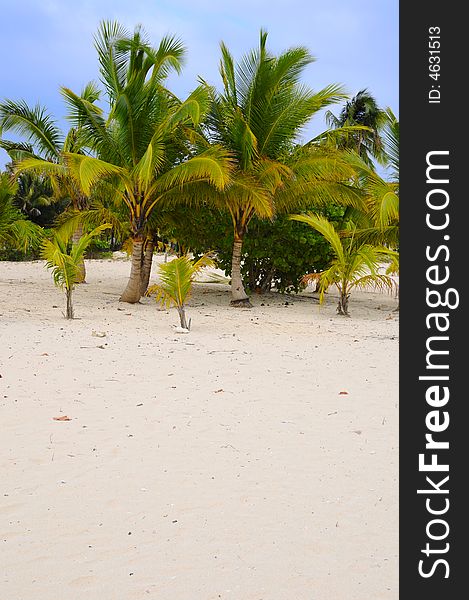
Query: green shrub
point(99, 248)
point(277, 254)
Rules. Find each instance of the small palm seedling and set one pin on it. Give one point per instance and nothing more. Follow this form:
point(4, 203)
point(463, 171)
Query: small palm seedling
point(65, 259)
point(175, 288)
point(355, 264)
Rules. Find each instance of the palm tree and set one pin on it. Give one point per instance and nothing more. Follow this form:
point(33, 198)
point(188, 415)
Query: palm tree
point(16, 231)
point(378, 221)
point(34, 196)
point(65, 265)
point(363, 111)
point(176, 283)
point(356, 264)
point(258, 117)
point(45, 148)
point(142, 152)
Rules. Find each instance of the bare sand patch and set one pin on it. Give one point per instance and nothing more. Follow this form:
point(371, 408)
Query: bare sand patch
point(221, 464)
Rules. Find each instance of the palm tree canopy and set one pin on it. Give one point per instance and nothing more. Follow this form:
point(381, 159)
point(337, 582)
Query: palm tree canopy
point(43, 136)
point(141, 148)
point(259, 115)
point(378, 221)
point(264, 106)
point(361, 110)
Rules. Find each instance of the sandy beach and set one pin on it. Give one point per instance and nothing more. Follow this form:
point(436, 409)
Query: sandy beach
point(253, 459)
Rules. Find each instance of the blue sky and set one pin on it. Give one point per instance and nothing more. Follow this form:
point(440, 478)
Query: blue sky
point(49, 43)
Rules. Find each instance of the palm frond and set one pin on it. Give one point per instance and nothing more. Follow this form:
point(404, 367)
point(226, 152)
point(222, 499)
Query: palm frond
point(374, 281)
point(213, 166)
point(325, 228)
point(113, 64)
point(87, 170)
point(35, 124)
point(176, 280)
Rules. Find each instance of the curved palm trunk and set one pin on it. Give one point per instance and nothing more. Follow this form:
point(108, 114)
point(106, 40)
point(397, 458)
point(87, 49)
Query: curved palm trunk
point(132, 292)
point(76, 237)
point(238, 294)
point(146, 266)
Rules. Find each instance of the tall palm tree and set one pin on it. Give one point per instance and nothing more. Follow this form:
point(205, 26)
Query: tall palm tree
point(46, 144)
point(361, 110)
point(258, 117)
point(378, 221)
point(141, 147)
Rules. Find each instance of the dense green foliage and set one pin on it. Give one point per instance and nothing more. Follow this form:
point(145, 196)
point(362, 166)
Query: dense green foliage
point(277, 253)
point(17, 233)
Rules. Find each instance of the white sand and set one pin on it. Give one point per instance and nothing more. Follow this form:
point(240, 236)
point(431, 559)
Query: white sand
point(220, 464)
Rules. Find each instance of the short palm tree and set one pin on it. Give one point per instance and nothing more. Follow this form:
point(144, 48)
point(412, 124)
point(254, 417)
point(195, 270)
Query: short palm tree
point(355, 264)
point(176, 278)
point(16, 231)
point(141, 147)
point(258, 117)
point(65, 259)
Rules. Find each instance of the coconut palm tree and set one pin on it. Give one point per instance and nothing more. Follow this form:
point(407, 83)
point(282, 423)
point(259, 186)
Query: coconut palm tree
point(355, 264)
point(34, 197)
point(362, 110)
point(142, 150)
point(175, 288)
point(45, 147)
point(258, 116)
point(16, 231)
point(378, 221)
point(65, 264)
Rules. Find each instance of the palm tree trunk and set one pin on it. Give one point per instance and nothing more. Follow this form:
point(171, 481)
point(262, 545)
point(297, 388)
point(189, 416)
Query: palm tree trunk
point(76, 237)
point(132, 292)
point(182, 317)
point(238, 294)
point(146, 266)
point(68, 294)
point(342, 307)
